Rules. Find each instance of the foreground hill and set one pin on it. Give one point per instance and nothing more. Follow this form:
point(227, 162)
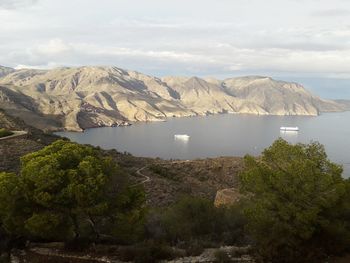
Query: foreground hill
point(11, 150)
point(85, 97)
point(167, 180)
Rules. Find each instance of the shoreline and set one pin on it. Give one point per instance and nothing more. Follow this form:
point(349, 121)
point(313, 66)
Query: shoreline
point(131, 123)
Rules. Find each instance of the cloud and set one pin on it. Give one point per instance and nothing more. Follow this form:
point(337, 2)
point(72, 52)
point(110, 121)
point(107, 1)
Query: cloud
point(219, 58)
point(331, 12)
point(162, 37)
point(53, 47)
point(13, 4)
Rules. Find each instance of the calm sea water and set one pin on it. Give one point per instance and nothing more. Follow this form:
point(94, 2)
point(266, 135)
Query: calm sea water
point(223, 135)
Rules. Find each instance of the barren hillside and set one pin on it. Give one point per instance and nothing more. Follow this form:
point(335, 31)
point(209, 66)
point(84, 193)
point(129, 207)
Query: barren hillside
point(86, 97)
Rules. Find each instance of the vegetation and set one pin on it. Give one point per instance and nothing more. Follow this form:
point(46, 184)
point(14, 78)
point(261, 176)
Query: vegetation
point(298, 204)
point(164, 172)
point(5, 133)
point(295, 207)
point(74, 193)
point(196, 218)
point(68, 191)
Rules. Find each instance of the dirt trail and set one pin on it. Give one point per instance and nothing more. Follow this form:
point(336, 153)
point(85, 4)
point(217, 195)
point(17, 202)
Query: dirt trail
point(147, 178)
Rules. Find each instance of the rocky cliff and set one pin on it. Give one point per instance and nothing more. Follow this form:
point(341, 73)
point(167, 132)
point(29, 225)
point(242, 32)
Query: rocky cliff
point(85, 97)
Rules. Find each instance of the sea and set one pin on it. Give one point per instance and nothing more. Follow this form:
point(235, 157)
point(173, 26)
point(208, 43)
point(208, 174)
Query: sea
point(222, 135)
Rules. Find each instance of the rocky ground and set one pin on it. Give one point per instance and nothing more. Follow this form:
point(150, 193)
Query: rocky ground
point(201, 178)
point(55, 253)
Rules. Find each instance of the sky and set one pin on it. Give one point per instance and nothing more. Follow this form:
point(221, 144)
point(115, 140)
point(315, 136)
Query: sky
point(306, 40)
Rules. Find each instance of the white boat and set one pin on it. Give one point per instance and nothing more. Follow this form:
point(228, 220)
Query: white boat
point(295, 129)
point(184, 137)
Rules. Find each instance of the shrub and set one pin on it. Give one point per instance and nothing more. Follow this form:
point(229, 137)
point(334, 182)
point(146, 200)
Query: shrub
point(193, 218)
point(164, 172)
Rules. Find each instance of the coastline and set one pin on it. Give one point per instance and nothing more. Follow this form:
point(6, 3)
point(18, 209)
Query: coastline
point(165, 119)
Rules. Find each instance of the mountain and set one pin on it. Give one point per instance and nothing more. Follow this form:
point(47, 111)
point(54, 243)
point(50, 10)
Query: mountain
point(85, 97)
point(5, 70)
point(80, 98)
point(252, 95)
point(345, 103)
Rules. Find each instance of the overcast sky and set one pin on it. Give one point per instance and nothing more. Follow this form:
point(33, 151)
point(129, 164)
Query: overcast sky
point(302, 38)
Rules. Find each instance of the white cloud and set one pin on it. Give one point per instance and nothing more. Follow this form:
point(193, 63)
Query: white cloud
point(179, 37)
point(53, 47)
point(333, 12)
point(220, 58)
point(12, 4)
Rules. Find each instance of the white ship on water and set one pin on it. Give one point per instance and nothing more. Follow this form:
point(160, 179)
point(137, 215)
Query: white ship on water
point(183, 137)
point(294, 129)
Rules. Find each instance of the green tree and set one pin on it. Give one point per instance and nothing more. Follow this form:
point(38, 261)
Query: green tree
point(12, 203)
point(292, 192)
point(66, 191)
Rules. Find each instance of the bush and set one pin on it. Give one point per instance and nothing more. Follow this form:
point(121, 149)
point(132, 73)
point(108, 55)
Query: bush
point(4, 133)
point(193, 218)
point(189, 218)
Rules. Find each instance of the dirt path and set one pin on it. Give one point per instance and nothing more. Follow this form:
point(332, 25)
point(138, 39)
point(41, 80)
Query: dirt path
point(146, 178)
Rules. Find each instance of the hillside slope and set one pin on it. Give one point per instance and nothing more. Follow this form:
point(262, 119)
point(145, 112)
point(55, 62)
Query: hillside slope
point(86, 97)
point(12, 150)
point(5, 71)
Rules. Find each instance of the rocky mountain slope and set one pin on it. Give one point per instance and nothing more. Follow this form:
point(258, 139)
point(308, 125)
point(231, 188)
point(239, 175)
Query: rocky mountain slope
point(251, 95)
point(85, 97)
point(5, 70)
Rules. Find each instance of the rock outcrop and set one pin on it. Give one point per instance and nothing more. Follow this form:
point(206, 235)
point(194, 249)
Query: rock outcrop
point(86, 97)
point(227, 197)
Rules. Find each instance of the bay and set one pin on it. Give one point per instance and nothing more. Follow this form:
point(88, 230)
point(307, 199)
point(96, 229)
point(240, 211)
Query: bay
point(223, 135)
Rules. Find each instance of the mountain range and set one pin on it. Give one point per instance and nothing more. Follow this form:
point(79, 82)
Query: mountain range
point(77, 98)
